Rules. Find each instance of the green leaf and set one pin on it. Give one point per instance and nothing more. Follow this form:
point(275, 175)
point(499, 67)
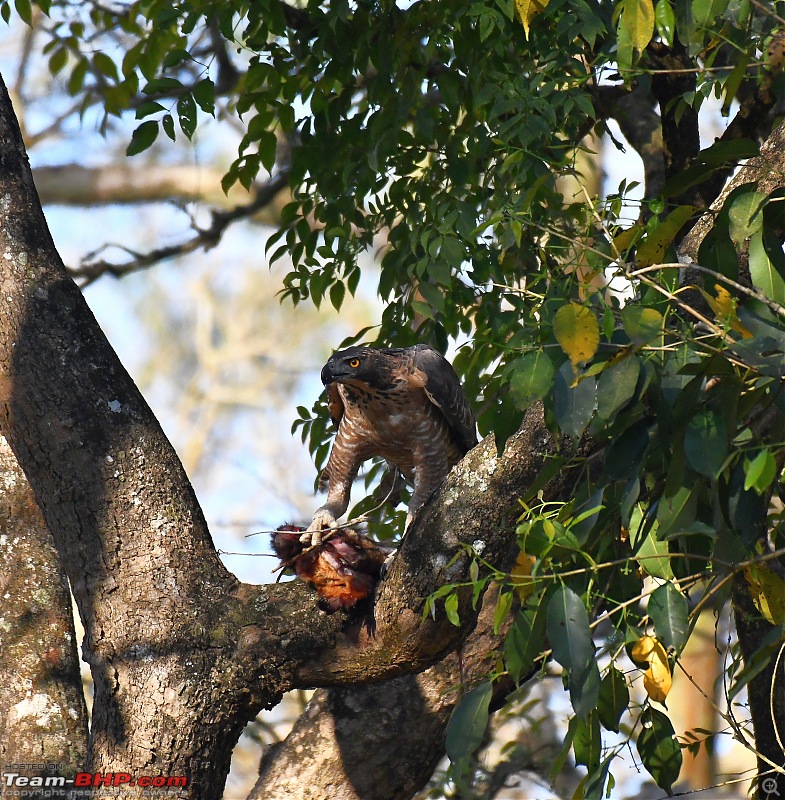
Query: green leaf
point(204, 94)
point(142, 137)
point(174, 57)
point(525, 639)
point(58, 60)
point(451, 609)
point(544, 537)
point(531, 379)
point(658, 749)
point(651, 553)
point(705, 12)
point(501, 610)
point(337, 294)
point(676, 512)
point(616, 386)
point(669, 613)
point(731, 84)
point(706, 442)
point(665, 20)
point(587, 744)
point(104, 64)
point(763, 272)
point(627, 451)
point(167, 123)
point(76, 81)
point(161, 86)
point(507, 418)
point(186, 112)
point(573, 406)
point(468, 722)
point(614, 697)
point(148, 107)
point(745, 216)
point(595, 781)
point(718, 252)
point(570, 638)
point(641, 324)
point(760, 472)
point(24, 10)
point(432, 296)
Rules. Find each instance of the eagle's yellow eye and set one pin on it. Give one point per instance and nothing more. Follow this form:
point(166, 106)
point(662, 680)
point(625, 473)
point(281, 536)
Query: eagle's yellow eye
point(354, 363)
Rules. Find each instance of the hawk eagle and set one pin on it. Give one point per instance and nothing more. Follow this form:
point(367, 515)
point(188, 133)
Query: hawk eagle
point(404, 404)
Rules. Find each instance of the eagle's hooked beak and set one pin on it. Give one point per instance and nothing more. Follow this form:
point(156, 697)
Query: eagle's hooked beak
point(327, 374)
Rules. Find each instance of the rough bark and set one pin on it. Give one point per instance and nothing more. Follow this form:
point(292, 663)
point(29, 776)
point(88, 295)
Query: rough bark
point(43, 719)
point(182, 655)
point(382, 741)
point(766, 171)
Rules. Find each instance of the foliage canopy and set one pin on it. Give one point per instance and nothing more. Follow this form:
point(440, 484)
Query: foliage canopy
point(450, 128)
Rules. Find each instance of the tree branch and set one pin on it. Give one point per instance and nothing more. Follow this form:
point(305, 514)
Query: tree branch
point(673, 78)
point(476, 506)
point(203, 238)
point(766, 171)
point(124, 183)
point(641, 127)
point(382, 741)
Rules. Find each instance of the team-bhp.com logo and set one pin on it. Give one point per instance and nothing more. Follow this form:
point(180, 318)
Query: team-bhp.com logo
point(16, 780)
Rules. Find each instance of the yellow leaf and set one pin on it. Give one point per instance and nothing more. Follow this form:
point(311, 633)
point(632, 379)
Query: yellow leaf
point(768, 592)
point(521, 575)
point(637, 21)
point(528, 10)
point(625, 239)
point(723, 304)
point(652, 249)
point(577, 331)
point(657, 680)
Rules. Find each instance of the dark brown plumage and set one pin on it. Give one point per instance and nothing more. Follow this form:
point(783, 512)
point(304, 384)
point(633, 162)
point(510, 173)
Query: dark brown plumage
point(405, 405)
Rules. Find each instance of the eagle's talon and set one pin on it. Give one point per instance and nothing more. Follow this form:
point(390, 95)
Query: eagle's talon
point(323, 521)
point(311, 538)
point(387, 565)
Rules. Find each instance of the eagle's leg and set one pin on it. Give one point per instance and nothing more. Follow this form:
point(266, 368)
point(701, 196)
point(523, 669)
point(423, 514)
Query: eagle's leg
point(429, 472)
point(338, 476)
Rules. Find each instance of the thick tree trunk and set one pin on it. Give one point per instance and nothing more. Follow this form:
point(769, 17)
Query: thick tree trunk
point(43, 719)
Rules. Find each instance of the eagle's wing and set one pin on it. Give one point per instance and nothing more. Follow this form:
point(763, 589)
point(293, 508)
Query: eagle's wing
point(444, 390)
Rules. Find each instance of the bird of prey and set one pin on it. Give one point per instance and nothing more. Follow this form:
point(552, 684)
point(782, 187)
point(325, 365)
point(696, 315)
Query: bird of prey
point(404, 404)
